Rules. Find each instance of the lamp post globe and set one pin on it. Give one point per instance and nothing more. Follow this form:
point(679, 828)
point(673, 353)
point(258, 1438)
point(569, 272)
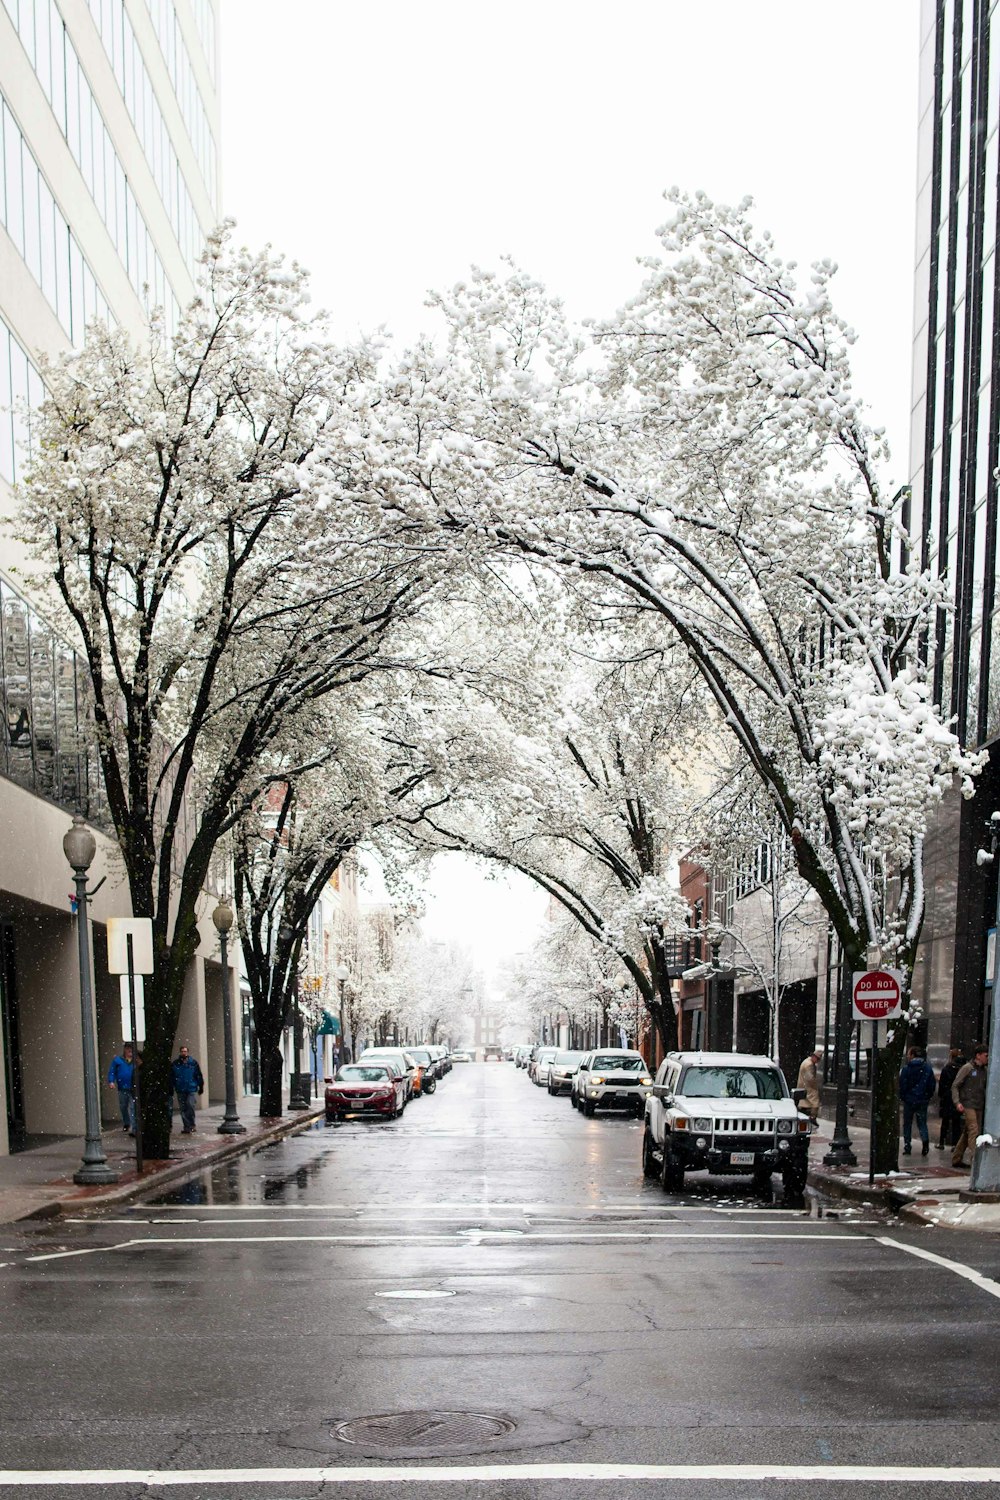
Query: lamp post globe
point(223, 918)
point(80, 846)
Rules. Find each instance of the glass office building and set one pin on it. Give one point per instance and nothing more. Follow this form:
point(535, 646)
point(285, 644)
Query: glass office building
point(955, 427)
point(109, 183)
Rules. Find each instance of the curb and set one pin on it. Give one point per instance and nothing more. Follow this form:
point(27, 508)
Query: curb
point(174, 1172)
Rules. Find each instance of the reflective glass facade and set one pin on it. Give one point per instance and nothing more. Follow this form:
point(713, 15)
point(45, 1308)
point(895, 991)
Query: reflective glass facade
point(956, 416)
point(51, 53)
point(48, 740)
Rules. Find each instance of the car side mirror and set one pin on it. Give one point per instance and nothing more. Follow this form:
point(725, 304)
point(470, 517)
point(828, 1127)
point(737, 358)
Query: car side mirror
point(798, 1096)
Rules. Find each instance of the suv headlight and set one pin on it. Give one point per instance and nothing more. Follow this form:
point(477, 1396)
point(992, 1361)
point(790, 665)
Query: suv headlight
point(703, 1123)
point(785, 1127)
point(644, 1083)
point(596, 1079)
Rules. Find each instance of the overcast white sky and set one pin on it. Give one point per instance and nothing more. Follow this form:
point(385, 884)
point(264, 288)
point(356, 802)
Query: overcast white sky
point(388, 146)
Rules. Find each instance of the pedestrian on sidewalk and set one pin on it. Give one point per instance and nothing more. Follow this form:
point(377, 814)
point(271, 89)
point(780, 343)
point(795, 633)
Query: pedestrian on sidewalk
point(809, 1080)
point(187, 1083)
point(951, 1120)
point(916, 1090)
point(120, 1078)
point(968, 1094)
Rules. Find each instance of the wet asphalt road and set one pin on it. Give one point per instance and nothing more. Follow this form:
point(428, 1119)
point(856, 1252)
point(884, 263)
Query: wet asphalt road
point(235, 1324)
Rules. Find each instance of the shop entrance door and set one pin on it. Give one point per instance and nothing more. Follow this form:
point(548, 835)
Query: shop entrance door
point(9, 1022)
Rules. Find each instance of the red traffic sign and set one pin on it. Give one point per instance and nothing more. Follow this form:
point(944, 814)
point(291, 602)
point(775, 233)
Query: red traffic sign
point(878, 995)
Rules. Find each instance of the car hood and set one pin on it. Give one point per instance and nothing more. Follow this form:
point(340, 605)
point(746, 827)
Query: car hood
point(775, 1109)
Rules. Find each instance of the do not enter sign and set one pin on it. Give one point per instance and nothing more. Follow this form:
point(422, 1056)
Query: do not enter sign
point(878, 995)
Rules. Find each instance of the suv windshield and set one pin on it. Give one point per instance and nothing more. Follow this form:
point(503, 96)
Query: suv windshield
point(621, 1064)
point(732, 1083)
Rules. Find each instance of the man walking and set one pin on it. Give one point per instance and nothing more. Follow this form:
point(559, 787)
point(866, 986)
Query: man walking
point(120, 1078)
point(809, 1080)
point(916, 1090)
point(951, 1120)
point(187, 1082)
point(968, 1094)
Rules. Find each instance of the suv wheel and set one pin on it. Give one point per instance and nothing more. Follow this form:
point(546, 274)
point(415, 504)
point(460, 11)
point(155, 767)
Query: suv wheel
point(793, 1178)
point(588, 1108)
point(650, 1166)
point(762, 1179)
point(671, 1173)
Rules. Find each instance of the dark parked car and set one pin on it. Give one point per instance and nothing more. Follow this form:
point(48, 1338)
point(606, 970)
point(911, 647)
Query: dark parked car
point(366, 1089)
point(430, 1070)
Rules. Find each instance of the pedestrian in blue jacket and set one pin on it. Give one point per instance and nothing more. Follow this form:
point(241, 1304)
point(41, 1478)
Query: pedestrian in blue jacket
point(916, 1090)
point(187, 1081)
point(120, 1078)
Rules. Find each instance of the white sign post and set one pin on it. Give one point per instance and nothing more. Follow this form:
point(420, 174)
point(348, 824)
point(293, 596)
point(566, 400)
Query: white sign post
point(876, 995)
point(130, 954)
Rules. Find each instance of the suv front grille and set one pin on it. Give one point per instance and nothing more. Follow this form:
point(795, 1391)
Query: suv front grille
point(754, 1126)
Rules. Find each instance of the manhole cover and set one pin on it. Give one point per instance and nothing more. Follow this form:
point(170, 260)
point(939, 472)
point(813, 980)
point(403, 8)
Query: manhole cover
point(424, 1431)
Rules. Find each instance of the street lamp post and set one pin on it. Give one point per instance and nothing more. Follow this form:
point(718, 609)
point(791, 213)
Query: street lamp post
point(342, 974)
point(222, 916)
point(985, 1179)
point(80, 846)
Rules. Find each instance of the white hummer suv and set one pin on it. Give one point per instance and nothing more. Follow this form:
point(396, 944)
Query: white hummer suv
point(723, 1112)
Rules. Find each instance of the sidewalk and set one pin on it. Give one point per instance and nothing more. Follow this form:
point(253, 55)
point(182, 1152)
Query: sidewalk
point(925, 1190)
point(38, 1182)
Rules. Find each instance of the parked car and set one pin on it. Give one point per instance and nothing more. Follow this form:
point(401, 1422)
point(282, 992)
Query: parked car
point(444, 1057)
point(492, 1053)
point(611, 1078)
point(539, 1069)
point(521, 1055)
point(412, 1069)
point(366, 1089)
point(428, 1066)
point(458, 1057)
point(726, 1113)
point(563, 1071)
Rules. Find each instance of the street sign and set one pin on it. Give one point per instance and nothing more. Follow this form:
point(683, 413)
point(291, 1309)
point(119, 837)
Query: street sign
point(878, 995)
point(140, 930)
point(330, 1025)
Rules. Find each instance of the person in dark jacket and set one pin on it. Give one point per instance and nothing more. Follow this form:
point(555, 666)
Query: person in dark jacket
point(120, 1078)
point(951, 1120)
point(916, 1090)
point(187, 1082)
point(968, 1094)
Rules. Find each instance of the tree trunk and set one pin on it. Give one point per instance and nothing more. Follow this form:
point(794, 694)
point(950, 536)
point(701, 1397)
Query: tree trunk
point(271, 1069)
point(890, 1060)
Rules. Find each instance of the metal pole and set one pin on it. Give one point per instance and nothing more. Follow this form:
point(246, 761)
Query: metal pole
point(871, 1124)
point(93, 1169)
point(231, 1123)
point(340, 1016)
point(986, 1161)
point(840, 1153)
point(296, 1101)
point(133, 1027)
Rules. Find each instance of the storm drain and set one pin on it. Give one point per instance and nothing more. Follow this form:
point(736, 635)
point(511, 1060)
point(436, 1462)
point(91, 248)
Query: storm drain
point(425, 1432)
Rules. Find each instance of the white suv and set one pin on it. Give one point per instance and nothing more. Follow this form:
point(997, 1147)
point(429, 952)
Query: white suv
point(723, 1112)
point(611, 1078)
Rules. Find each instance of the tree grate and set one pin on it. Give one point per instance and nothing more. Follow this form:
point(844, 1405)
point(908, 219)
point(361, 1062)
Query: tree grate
point(424, 1431)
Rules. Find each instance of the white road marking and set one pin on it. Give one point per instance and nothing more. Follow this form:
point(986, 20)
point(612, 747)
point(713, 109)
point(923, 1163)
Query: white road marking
point(368, 1240)
point(416, 1293)
point(984, 1283)
point(502, 1473)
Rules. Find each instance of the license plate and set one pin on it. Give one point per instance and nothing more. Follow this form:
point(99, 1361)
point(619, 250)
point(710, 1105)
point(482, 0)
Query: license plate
point(741, 1158)
point(623, 1096)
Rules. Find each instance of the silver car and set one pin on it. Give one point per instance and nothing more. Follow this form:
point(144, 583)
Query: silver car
point(538, 1071)
point(612, 1078)
point(563, 1071)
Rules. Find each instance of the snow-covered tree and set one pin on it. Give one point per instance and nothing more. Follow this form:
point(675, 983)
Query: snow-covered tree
point(179, 506)
point(702, 458)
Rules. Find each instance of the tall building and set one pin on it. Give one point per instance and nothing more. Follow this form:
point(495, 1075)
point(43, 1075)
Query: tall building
point(109, 131)
point(955, 427)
